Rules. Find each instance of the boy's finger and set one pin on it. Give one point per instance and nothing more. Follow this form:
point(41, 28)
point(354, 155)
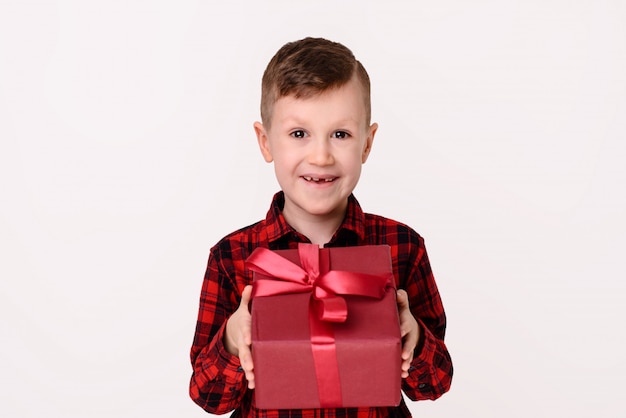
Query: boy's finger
point(246, 359)
point(245, 296)
point(246, 364)
point(247, 337)
point(408, 347)
point(250, 379)
point(402, 298)
point(406, 364)
point(405, 328)
point(405, 368)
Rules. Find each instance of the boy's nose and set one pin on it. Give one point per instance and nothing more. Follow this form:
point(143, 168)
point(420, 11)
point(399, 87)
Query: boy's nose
point(320, 153)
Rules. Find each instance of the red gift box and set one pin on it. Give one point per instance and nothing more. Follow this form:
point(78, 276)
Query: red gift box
point(325, 328)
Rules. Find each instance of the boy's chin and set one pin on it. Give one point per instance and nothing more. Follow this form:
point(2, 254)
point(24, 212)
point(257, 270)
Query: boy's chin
point(321, 209)
point(326, 210)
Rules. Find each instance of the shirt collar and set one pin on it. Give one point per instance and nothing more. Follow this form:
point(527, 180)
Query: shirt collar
point(277, 227)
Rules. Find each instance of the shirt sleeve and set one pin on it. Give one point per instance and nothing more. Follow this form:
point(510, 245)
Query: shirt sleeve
point(217, 383)
point(430, 374)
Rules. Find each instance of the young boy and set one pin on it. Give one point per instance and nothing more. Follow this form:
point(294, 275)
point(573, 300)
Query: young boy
point(315, 111)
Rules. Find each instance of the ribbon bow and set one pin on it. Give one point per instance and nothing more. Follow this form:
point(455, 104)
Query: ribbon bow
point(281, 276)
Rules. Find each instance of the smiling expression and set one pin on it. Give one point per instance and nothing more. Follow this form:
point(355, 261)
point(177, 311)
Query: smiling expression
point(318, 145)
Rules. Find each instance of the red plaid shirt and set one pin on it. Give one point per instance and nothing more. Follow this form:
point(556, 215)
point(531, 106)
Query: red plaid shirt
point(218, 383)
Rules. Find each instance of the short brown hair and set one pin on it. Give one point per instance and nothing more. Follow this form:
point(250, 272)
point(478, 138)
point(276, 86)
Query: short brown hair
point(309, 67)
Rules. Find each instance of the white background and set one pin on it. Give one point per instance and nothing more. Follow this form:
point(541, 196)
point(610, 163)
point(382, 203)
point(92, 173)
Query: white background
point(127, 151)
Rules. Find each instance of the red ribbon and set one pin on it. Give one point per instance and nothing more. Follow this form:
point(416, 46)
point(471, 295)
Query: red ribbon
point(280, 276)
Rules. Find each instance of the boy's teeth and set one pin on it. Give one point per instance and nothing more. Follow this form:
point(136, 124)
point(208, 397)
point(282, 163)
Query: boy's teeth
point(317, 180)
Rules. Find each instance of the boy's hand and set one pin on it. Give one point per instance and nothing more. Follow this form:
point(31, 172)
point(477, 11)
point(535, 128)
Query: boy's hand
point(238, 336)
point(409, 330)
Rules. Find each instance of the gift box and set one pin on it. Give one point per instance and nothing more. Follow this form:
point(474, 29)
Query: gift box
point(325, 328)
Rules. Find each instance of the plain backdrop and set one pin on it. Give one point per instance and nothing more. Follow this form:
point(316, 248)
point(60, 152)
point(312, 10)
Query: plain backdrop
point(127, 151)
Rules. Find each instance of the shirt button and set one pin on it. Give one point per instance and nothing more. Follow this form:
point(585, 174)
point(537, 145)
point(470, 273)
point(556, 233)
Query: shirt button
point(240, 369)
point(422, 386)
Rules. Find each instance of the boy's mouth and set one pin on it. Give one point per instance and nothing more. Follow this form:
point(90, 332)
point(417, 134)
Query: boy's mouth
point(319, 179)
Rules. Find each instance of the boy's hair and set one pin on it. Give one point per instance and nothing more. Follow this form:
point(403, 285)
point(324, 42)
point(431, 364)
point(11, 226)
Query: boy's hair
point(309, 67)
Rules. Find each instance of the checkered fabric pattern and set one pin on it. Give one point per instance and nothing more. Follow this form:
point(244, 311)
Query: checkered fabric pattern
point(218, 383)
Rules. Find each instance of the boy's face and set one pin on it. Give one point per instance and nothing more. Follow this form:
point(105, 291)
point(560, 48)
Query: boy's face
point(318, 145)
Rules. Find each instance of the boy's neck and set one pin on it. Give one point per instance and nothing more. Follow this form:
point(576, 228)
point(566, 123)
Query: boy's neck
point(319, 229)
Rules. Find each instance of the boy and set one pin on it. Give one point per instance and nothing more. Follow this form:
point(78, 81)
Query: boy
point(315, 112)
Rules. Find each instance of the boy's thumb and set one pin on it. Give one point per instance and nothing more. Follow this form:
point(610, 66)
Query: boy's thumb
point(245, 295)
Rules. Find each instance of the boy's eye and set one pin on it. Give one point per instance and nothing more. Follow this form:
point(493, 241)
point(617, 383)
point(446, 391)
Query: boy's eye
point(298, 134)
point(341, 135)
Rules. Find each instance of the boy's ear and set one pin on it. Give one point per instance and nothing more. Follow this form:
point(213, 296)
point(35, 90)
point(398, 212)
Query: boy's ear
point(368, 142)
point(263, 140)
